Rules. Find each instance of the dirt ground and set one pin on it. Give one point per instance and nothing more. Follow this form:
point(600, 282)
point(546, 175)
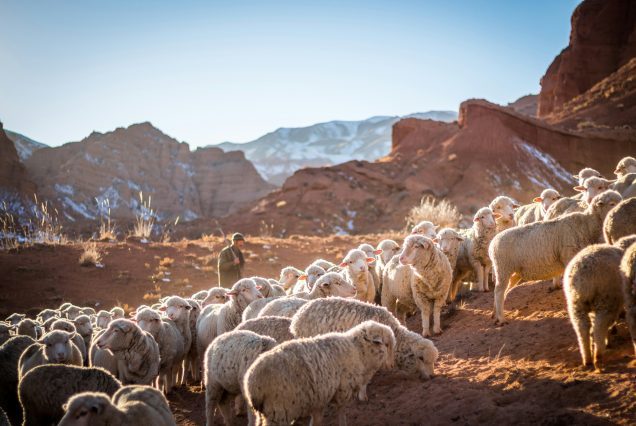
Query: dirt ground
point(526, 372)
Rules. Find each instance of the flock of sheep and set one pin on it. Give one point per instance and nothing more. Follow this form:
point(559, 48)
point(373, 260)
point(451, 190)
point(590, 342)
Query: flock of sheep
point(286, 349)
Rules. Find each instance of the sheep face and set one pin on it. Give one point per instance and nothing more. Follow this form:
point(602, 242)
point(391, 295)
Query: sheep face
point(416, 355)
point(217, 295)
point(357, 262)
point(289, 276)
point(103, 319)
point(415, 246)
point(47, 314)
point(425, 228)
point(72, 312)
point(118, 335)
point(486, 218)
point(335, 284)
point(389, 249)
point(505, 207)
point(625, 166)
point(176, 308)
point(448, 240)
point(379, 341)
point(547, 198)
point(83, 325)
point(117, 313)
point(245, 291)
point(58, 346)
point(585, 174)
point(14, 319)
point(604, 202)
point(313, 273)
point(148, 320)
point(370, 252)
point(84, 409)
point(592, 187)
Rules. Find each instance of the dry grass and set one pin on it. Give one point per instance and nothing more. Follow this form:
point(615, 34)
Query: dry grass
point(90, 256)
point(107, 231)
point(442, 213)
point(166, 262)
point(266, 230)
point(144, 219)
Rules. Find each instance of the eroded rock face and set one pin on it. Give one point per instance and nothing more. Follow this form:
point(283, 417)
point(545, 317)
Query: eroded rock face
point(491, 151)
point(602, 39)
point(16, 188)
point(118, 165)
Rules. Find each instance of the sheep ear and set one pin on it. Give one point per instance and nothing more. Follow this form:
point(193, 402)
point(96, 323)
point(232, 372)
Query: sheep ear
point(459, 238)
point(370, 259)
point(343, 264)
point(302, 277)
point(575, 176)
point(259, 287)
point(476, 219)
point(378, 251)
point(496, 215)
point(162, 308)
point(515, 206)
point(435, 240)
point(537, 199)
point(579, 188)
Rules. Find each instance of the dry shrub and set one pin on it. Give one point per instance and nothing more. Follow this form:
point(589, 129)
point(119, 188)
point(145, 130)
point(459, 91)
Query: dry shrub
point(166, 262)
point(144, 219)
point(442, 213)
point(90, 256)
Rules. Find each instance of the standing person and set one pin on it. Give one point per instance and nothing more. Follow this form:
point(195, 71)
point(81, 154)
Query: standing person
point(231, 262)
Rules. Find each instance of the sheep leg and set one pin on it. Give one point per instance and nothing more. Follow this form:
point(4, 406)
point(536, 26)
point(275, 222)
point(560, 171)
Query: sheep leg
point(213, 394)
point(316, 418)
point(557, 283)
point(479, 270)
point(425, 307)
point(581, 322)
point(362, 393)
point(437, 309)
point(503, 280)
point(225, 407)
point(486, 277)
point(602, 322)
point(342, 416)
point(388, 300)
point(630, 316)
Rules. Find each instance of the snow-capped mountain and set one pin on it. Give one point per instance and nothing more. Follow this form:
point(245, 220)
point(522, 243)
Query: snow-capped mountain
point(277, 155)
point(25, 146)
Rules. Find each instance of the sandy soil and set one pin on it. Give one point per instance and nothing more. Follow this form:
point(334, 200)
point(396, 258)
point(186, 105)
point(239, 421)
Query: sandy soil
point(526, 372)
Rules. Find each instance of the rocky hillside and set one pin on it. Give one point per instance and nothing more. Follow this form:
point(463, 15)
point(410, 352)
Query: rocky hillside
point(16, 188)
point(24, 145)
point(118, 165)
point(526, 105)
point(492, 150)
point(278, 154)
point(602, 39)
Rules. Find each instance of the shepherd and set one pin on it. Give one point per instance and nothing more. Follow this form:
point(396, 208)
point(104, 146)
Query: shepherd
point(231, 262)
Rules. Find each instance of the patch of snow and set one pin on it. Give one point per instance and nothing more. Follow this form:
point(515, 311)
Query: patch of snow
point(548, 161)
point(64, 189)
point(189, 215)
point(78, 208)
point(92, 159)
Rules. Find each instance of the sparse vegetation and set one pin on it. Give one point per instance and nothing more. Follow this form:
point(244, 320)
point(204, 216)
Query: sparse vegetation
point(442, 213)
point(107, 231)
point(144, 219)
point(166, 262)
point(91, 255)
point(265, 229)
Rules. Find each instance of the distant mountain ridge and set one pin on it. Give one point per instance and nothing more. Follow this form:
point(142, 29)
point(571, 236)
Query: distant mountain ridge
point(24, 145)
point(278, 154)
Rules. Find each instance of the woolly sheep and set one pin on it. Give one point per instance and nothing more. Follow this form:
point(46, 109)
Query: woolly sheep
point(314, 372)
point(136, 351)
point(226, 362)
point(426, 228)
point(415, 354)
point(541, 250)
point(192, 361)
point(628, 281)
point(431, 280)
point(47, 314)
point(28, 327)
point(505, 207)
point(69, 327)
point(389, 249)
point(590, 188)
point(103, 318)
point(55, 347)
point(254, 308)
point(370, 251)
point(449, 241)
point(218, 319)
point(306, 281)
point(356, 269)
point(5, 332)
point(620, 221)
point(216, 295)
point(592, 285)
point(71, 312)
point(171, 345)
point(289, 276)
point(45, 389)
point(535, 211)
point(84, 329)
point(625, 166)
point(282, 307)
point(586, 173)
point(117, 313)
point(625, 185)
point(178, 310)
point(88, 311)
point(14, 319)
point(324, 264)
point(130, 405)
point(266, 289)
point(330, 284)
point(473, 252)
point(201, 295)
point(275, 327)
point(10, 353)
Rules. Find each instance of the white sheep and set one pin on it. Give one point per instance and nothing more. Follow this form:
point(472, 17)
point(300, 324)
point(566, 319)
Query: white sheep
point(282, 307)
point(426, 228)
point(330, 284)
point(71, 312)
point(254, 308)
point(55, 347)
point(628, 275)
point(278, 328)
point(625, 166)
point(505, 207)
point(620, 221)
point(44, 390)
point(192, 361)
point(541, 250)
point(84, 328)
point(374, 253)
point(77, 339)
point(312, 373)
point(117, 313)
point(129, 406)
point(590, 188)
point(324, 264)
point(216, 295)
point(415, 354)
point(136, 351)
point(306, 281)
point(226, 362)
point(356, 270)
point(267, 289)
point(389, 249)
point(10, 352)
point(431, 278)
point(535, 211)
point(218, 319)
point(171, 345)
point(397, 295)
point(47, 314)
point(625, 185)
point(201, 295)
point(585, 173)
point(102, 319)
point(28, 327)
point(449, 242)
point(289, 276)
point(15, 318)
point(593, 292)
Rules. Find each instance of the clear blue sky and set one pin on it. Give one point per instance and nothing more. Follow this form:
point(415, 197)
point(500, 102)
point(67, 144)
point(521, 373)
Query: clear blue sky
point(209, 71)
